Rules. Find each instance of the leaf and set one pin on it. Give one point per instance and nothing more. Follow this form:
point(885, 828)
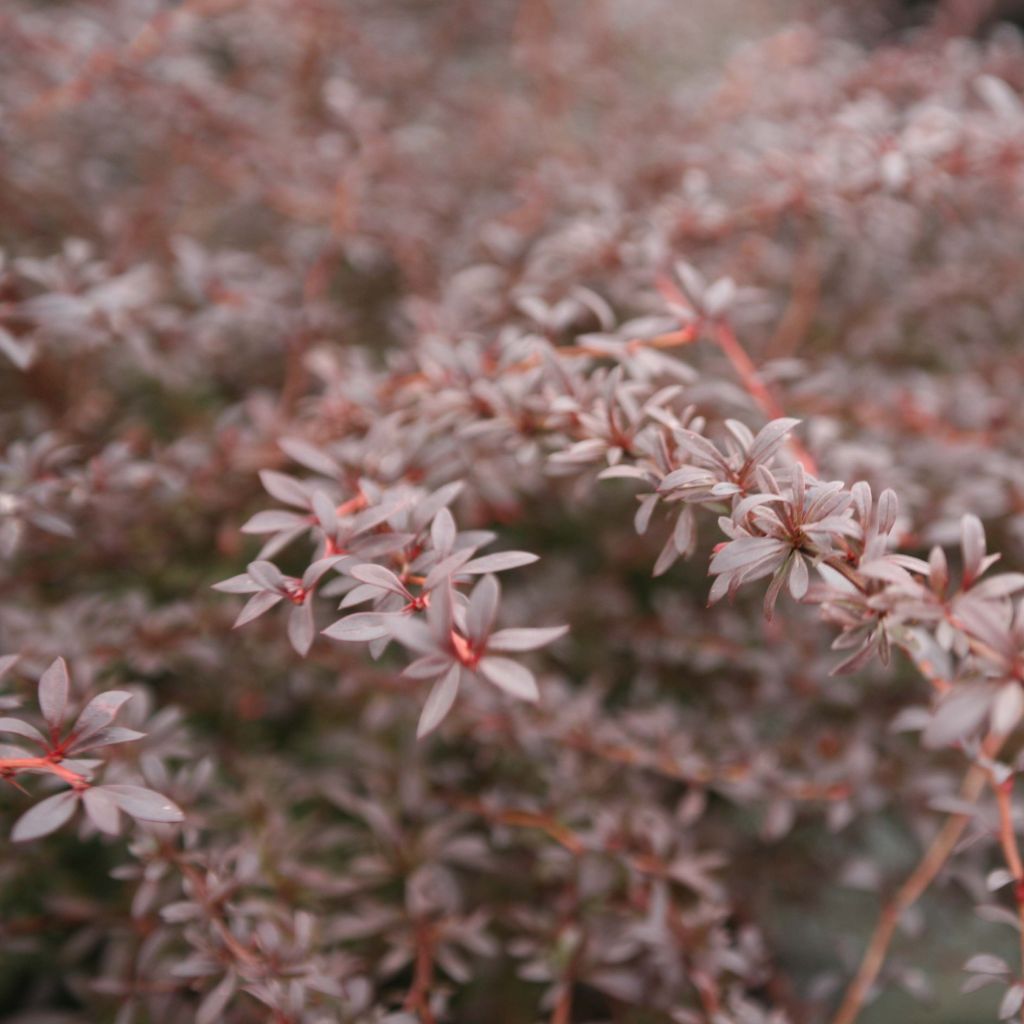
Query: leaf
point(745, 552)
point(1012, 1001)
point(769, 439)
point(301, 628)
point(309, 456)
point(144, 804)
point(642, 519)
point(256, 606)
point(266, 574)
point(499, 562)
point(446, 568)
point(99, 713)
point(525, 639)
point(428, 667)
point(888, 509)
point(325, 511)
point(53, 693)
point(357, 628)
point(20, 728)
point(684, 536)
point(1004, 585)
point(999, 915)
point(359, 595)
point(412, 633)
point(242, 584)
point(972, 545)
point(21, 353)
point(961, 711)
point(622, 472)
point(439, 702)
point(272, 521)
point(378, 576)
point(995, 880)
point(105, 738)
point(45, 817)
point(1007, 708)
point(316, 572)
point(285, 488)
point(668, 557)
point(483, 607)
point(986, 963)
point(211, 1009)
point(510, 676)
point(798, 577)
point(429, 507)
point(979, 981)
point(102, 810)
point(442, 532)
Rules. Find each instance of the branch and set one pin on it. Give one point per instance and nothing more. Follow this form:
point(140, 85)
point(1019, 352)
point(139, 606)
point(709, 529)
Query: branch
point(906, 896)
point(13, 765)
point(1011, 851)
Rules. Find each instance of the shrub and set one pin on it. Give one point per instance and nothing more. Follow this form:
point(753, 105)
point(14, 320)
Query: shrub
point(465, 343)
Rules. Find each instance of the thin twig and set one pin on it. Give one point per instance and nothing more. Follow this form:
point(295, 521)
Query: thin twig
point(13, 765)
point(1011, 851)
point(418, 998)
point(908, 894)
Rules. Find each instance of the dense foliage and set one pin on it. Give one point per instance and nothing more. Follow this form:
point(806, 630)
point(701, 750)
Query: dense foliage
point(607, 415)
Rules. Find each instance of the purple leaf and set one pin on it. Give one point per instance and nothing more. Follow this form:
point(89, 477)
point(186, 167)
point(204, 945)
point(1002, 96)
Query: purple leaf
point(285, 488)
point(744, 552)
point(53, 693)
point(256, 606)
point(312, 576)
point(1012, 1001)
point(412, 633)
point(999, 586)
point(357, 628)
point(99, 713)
point(102, 810)
point(266, 574)
point(272, 521)
point(667, 557)
point(211, 1009)
point(499, 562)
point(105, 738)
point(45, 817)
point(325, 511)
point(642, 519)
point(960, 712)
point(144, 804)
point(769, 440)
point(378, 576)
point(972, 545)
point(525, 639)
point(20, 728)
point(986, 963)
point(483, 607)
point(510, 676)
point(442, 532)
point(301, 628)
point(440, 701)
point(446, 567)
point(309, 456)
point(428, 667)
point(243, 584)
point(798, 577)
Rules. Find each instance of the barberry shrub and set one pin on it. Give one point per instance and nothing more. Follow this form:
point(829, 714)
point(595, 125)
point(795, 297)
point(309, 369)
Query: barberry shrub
point(602, 424)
